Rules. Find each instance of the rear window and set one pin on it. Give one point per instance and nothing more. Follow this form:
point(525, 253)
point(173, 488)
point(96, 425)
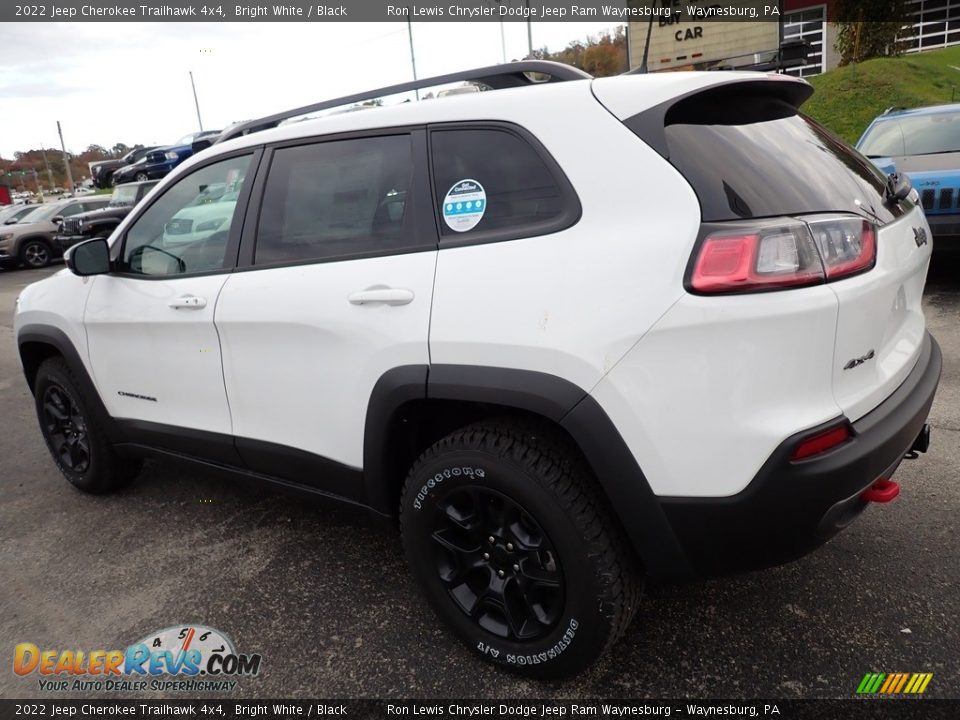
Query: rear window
point(494, 183)
point(914, 135)
point(757, 156)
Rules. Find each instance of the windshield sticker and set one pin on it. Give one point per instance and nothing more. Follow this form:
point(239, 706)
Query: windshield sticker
point(464, 205)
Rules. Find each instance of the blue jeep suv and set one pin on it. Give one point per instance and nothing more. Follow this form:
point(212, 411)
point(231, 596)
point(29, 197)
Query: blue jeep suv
point(924, 143)
point(159, 161)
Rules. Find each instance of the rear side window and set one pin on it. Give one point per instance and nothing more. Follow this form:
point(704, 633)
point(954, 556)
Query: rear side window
point(752, 155)
point(336, 199)
point(492, 184)
point(914, 135)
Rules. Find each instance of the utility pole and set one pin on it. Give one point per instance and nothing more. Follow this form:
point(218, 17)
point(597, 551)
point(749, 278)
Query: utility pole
point(503, 44)
point(66, 159)
point(43, 152)
point(413, 60)
point(195, 101)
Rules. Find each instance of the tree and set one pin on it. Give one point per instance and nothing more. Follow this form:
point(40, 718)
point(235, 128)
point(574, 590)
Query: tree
point(600, 56)
point(119, 150)
point(870, 28)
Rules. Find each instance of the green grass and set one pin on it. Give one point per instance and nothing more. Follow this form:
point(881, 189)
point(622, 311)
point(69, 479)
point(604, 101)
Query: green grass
point(103, 191)
point(848, 98)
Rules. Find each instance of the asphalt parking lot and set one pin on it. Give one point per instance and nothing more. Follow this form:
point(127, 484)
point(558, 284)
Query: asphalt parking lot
point(326, 599)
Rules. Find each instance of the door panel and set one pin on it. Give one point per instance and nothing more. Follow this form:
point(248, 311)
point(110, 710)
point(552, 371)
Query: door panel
point(154, 362)
point(340, 257)
point(300, 360)
point(150, 332)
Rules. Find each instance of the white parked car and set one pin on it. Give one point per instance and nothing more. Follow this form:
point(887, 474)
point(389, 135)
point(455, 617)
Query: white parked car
point(570, 334)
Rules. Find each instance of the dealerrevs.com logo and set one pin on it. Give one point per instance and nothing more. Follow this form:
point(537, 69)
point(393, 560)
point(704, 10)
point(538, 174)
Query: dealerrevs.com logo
point(184, 658)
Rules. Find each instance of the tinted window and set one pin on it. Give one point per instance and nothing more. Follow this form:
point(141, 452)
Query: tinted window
point(501, 171)
point(335, 199)
point(766, 160)
point(180, 233)
point(914, 135)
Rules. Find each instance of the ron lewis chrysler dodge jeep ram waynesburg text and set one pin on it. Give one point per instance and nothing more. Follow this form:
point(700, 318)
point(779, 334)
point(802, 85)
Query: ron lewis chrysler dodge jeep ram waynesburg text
point(708, 356)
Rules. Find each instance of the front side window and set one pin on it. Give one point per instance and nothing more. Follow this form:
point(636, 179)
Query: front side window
point(186, 229)
point(489, 179)
point(335, 199)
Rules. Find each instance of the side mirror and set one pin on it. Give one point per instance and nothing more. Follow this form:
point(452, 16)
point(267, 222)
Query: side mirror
point(88, 258)
point(58, 220)
point(898, 186)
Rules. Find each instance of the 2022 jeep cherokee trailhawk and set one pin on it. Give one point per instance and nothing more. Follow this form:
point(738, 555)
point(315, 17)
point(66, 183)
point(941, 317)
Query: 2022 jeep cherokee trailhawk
point(572, 333)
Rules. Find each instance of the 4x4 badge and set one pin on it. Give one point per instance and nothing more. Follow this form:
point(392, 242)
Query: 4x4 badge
point(919, 236)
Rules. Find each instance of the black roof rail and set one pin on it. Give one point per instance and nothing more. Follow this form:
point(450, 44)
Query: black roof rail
point(498, 77)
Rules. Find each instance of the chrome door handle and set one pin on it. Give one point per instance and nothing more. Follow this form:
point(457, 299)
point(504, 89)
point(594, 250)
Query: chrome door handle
point(384, 295)
point(191, 302)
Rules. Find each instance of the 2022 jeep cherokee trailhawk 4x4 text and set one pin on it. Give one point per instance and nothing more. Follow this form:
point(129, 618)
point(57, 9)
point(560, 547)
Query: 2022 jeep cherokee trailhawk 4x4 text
point(571, 335)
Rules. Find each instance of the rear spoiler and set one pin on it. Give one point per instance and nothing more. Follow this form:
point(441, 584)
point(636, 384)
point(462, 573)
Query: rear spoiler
point(722, 104)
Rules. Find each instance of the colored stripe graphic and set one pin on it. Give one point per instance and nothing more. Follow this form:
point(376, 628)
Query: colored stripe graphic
point(894, 683)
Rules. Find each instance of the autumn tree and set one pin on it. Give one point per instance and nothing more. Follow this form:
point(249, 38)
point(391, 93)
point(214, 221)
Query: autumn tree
point(602, 55)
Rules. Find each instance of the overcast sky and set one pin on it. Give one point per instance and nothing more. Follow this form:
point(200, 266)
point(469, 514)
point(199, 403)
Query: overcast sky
point(129, 82)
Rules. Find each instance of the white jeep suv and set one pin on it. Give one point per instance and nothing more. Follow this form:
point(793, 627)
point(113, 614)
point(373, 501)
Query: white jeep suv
point(570, 334)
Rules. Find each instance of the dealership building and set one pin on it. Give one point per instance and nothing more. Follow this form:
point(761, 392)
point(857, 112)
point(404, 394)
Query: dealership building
point(690, 44)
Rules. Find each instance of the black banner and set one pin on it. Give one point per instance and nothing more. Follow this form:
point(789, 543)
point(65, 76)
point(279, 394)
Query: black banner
point(853, 709)
point(606, 11)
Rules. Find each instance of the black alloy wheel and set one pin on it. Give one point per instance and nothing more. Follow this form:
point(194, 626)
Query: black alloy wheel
point(66, 429)
point(497, 564)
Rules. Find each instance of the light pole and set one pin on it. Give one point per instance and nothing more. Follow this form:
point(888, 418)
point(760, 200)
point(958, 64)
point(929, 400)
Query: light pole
point(66, 159)
point(195, 101)
point(529, 32)
point(413, 60)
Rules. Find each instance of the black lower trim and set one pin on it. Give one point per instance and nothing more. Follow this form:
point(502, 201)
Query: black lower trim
point(251, 477)
point(790, 508)
point(278, 463)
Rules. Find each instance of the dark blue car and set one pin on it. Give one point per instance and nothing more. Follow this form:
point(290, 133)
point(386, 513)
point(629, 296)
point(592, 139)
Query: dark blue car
point(924, 143)
point(159, 161)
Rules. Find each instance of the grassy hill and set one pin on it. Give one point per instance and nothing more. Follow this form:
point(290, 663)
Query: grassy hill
point(848, 98)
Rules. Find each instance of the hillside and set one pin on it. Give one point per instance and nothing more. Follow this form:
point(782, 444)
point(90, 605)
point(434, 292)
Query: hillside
point(848, 98)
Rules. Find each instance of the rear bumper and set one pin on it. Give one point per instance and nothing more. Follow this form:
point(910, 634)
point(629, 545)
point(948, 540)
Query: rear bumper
point(791, 508)
point(943, 226)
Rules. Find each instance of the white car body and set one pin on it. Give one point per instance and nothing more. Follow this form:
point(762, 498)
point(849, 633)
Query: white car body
point(703, 389)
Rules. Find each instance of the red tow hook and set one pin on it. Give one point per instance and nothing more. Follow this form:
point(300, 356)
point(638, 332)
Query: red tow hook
point(882, 491)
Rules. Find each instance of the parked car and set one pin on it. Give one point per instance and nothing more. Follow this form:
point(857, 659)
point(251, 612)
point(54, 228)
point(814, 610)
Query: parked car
point(201, 219)
point(703, 355)
point(102, 171)
point(159, 161)
point(100, 223)
point(12, 214)
point(31, 241)
point(925, 144)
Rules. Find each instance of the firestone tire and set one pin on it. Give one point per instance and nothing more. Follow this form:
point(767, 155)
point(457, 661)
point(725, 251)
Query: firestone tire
point(74, 433)
point(516, 550)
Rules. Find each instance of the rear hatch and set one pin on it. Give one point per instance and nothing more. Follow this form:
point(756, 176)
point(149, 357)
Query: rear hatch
point(753, 159)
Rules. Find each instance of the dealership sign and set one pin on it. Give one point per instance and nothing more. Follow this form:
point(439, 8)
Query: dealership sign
point(688, 33)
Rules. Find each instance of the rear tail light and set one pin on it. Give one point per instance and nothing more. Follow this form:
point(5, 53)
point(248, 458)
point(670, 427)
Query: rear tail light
point(821, 442)
point(772, 256)
point(847, 245)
